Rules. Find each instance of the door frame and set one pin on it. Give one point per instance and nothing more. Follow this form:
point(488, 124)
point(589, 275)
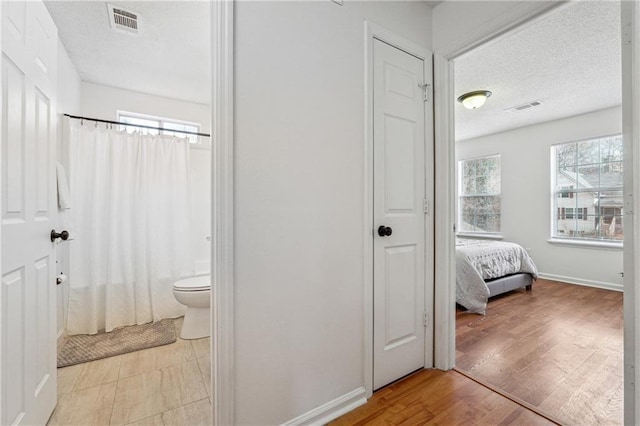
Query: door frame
point(374, 31)
point(630, 19)
point(222, 223)
point(1, 292)
point(445, 169)
point(445, 218)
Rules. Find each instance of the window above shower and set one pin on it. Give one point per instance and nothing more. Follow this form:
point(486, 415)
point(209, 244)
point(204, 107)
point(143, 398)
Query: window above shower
point(169, 126)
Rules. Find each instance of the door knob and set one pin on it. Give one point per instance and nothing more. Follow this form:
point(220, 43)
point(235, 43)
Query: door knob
point(54, 235)
point(384, 231)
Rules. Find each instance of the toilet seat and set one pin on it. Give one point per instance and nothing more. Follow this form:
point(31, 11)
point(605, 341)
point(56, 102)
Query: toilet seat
point(199, 283)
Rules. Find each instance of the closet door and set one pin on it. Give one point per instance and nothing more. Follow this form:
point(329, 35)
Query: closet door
point(28, 288)
point(399, 255)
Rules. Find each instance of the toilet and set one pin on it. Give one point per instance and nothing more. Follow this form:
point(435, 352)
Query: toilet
point(195, 294)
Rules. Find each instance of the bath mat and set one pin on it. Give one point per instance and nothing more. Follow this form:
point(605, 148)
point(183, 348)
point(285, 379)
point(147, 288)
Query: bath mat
point(90, 347)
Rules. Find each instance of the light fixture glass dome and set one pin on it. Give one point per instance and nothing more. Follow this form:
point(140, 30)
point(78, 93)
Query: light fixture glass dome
point(474, 100)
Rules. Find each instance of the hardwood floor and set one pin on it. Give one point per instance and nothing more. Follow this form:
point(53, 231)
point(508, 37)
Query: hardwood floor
point(439, 398)
point(559, 348)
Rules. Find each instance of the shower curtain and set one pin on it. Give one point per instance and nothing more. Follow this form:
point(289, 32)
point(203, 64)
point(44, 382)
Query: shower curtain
point(130, 209)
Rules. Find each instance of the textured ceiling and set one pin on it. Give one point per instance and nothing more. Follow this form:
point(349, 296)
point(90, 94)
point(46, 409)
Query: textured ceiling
point(570, 61)
point(169, 57)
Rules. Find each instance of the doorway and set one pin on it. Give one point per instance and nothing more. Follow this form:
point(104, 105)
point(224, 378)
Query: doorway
point(468, 49)
point(202, 174)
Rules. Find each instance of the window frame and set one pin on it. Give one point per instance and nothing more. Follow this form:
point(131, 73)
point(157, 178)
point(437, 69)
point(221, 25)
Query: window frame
point(559, 192)
point(200, 141)
point(460, 195)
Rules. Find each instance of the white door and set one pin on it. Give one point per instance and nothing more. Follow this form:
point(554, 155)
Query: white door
point(28, 332)
point(398, 213)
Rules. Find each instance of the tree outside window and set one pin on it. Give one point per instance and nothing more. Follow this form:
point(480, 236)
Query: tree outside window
point(479, 200)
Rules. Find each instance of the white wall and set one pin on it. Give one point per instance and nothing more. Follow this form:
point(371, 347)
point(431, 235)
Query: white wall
point(99, 101)
point(68, 102)
point(526, 199)
point(299, 199)
point(103, 102)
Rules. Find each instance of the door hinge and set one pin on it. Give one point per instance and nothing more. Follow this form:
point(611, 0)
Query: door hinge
point(426, 88)
point(425, 319)
point(426, 206)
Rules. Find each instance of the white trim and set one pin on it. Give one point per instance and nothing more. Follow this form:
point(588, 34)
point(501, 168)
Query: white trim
point(581, 281)
point(374, 31)
point(379, 32)
point(331, 410)
point(367, 221)
point(445, 213)
point(479, 236)
point(2, 349)
point(222, 261)
point(429, 222)
point(588, 244)
point(630, 45)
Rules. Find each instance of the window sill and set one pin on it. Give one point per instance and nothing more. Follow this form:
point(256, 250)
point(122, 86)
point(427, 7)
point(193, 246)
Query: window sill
point(480, 236)
point(602, 245)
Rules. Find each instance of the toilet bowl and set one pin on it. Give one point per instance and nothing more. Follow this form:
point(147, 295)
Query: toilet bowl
point(195, 294)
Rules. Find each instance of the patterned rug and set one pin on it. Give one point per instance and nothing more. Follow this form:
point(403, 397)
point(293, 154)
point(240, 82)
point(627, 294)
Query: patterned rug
point(89, 347)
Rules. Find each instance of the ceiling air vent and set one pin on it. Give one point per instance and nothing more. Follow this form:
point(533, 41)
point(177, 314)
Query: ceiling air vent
point(524, 106)
point(124, 20)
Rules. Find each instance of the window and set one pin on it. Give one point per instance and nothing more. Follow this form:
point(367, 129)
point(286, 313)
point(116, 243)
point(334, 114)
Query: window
point(168, 124)
point(587, 181)
point(571, 213)
point(479, 202)
point(566, 192)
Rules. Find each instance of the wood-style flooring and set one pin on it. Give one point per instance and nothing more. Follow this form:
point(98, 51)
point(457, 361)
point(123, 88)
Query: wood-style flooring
point(439, 398)
point(166, 385)
point(558, 348)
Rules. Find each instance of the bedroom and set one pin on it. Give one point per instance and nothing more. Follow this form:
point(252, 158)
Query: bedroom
point(544, 108)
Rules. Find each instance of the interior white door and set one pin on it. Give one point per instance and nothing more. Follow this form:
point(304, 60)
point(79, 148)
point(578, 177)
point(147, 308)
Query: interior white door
point(398, 213)
point(28, 326)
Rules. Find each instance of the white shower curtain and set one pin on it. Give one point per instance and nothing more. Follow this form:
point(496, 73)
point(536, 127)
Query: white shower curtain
point(130, 208)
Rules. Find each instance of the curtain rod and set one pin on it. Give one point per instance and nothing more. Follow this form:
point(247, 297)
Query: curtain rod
point(186, 132)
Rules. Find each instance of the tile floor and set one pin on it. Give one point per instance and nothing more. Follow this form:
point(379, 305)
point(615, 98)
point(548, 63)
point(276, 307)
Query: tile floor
point(166, 385)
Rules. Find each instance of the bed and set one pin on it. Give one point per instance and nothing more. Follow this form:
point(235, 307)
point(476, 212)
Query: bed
point(486, 268)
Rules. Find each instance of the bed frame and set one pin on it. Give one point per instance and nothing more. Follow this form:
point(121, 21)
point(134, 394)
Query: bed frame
point(508, 283)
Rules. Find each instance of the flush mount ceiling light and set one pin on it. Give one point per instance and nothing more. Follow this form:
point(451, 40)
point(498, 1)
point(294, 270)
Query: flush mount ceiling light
point(475, 99)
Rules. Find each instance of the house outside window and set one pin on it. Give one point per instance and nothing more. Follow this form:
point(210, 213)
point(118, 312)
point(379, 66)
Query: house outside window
point(479, 195)
point(587, 181)
point(169, 126)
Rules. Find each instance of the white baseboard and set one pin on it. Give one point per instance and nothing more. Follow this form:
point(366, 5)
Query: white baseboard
point(580, 281)
point(331, 410)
